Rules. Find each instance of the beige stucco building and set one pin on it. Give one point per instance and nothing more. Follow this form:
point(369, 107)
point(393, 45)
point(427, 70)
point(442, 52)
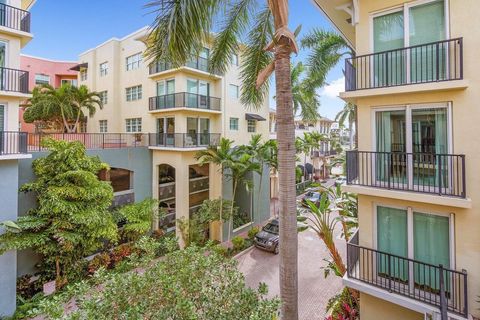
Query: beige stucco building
point(415, 81)
point(183, 110)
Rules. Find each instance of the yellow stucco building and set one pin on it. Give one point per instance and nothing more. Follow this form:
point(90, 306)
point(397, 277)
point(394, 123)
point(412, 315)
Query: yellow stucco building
point(414, 78)
point(183, 110)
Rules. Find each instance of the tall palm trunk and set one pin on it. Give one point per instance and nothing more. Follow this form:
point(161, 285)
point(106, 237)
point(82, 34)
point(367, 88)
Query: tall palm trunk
point(230, 222)
point(286, 175)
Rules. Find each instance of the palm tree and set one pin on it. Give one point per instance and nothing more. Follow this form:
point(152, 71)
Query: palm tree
point(234, 167)
point(327, 50)
point(305, 99)
point(66, 105)
point(184, 26)
point(348, 114)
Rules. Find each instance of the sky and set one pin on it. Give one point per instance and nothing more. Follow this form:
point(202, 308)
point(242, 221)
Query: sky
point(65, 28)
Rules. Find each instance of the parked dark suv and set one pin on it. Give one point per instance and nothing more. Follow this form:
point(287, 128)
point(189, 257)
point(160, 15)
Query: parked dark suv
point(267, 238)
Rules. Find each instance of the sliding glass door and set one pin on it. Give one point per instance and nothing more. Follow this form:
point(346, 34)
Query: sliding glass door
point(424, 238)
point(412, 144)
point(414, 25)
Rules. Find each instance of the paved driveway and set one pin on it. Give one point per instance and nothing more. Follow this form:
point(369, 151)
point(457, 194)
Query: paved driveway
point(314, 289)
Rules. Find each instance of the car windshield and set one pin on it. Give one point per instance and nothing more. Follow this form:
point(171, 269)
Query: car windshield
point(271, 228)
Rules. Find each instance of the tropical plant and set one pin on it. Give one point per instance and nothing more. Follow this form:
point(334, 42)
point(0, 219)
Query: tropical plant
point(184, 285)
point(348, 114)
point(234, 165)
point(345, 203)
point(326, 48)
point(306, 144)
point(66, 105)
point(72, 218)
point(184, 26)
point(137, 218)
point(199, 224)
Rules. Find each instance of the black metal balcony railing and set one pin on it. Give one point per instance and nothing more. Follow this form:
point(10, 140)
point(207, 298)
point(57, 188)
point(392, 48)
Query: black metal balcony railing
point(199, 184)
point(198, 63)
point(442, 174)
point(13, 80)
point(431, 284)
point(14, 18)
point(91, 140)
point(183, 140)
point(13, 142)
point(430, 62)
point(184, 100)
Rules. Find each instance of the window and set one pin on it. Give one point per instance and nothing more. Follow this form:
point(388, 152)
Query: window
point(134, 93)
point(103, 126)
point(133, 125)
point(42, 79)
point(120, 179)
point(2, 118)
point(252, 125)
point(235, 59)
point(133, 62)
point(83, 75)
point(234, 124)
point(234, 91)
point(103, 69)
point(412, 234)
point(72, 82)
point(103, 97)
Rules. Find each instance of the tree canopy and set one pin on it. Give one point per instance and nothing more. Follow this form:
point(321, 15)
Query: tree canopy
point(72, 218)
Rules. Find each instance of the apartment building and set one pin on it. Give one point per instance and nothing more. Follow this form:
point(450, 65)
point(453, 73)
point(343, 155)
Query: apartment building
point(43, 71)
point(14, 35)
point(183, 110)
point(415, 81)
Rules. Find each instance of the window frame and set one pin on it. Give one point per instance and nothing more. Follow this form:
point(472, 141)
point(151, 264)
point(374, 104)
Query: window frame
point(133, 61)
point(104, 96)
point(134, 93)
point(251, 126)
point(235, 126)
point(103, 126)
point(133, 125)
point(42, 82)
point(103, 69)
point(237, 95)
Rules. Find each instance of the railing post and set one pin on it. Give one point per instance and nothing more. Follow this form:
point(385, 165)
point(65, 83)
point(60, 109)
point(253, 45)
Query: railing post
point(443, 299)
point(464, 185)
point(465, 293)
point(461, 57)
point(439, 174)
point(103, 140)
point(389, 273)
point(438, 61)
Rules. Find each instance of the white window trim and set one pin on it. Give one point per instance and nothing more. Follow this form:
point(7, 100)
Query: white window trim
point(100, 126)
point(165, 86)
point(199, 82)
point(237, 123)
point(5, 116)
point(410, 210)
point(230, 85)
point(104, 70)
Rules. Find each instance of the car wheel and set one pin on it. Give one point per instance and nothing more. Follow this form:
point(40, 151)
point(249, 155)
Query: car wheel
point(276, 250)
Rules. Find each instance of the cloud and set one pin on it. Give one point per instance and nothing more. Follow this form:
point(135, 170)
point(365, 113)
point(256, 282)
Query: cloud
point(333, 89)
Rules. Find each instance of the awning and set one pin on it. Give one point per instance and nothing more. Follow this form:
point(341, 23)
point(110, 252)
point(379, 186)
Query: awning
point(80, 66)
point(252, 116)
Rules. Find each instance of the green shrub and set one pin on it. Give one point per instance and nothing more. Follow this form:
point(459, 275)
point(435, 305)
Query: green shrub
point(238, 243)
point(253, 232)
point(99, 261)
point(221, 250)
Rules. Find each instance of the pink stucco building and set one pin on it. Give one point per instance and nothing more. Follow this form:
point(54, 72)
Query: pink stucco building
point(45, 71)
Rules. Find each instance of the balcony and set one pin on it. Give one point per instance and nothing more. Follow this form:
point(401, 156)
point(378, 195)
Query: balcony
point(197, 63)
point(428, 173)
point(13, 80)
point(91, 141)
point(184, 100)
point(13, 144)
point(14, 18)
point(436, 62)
point(184, 141)
point(433, 285)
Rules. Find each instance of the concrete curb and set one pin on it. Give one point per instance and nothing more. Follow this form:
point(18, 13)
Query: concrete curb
point(238, 255)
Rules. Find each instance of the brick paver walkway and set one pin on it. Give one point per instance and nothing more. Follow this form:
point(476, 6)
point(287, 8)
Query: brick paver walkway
point(314, 289)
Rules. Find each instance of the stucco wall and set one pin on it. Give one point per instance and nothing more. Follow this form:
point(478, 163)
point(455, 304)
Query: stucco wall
point(465, 113)
point(8, 211)
point(260, 196)
point(372, 308)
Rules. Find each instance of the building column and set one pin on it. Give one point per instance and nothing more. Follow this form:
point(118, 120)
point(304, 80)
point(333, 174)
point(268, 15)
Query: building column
point(8, 211)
